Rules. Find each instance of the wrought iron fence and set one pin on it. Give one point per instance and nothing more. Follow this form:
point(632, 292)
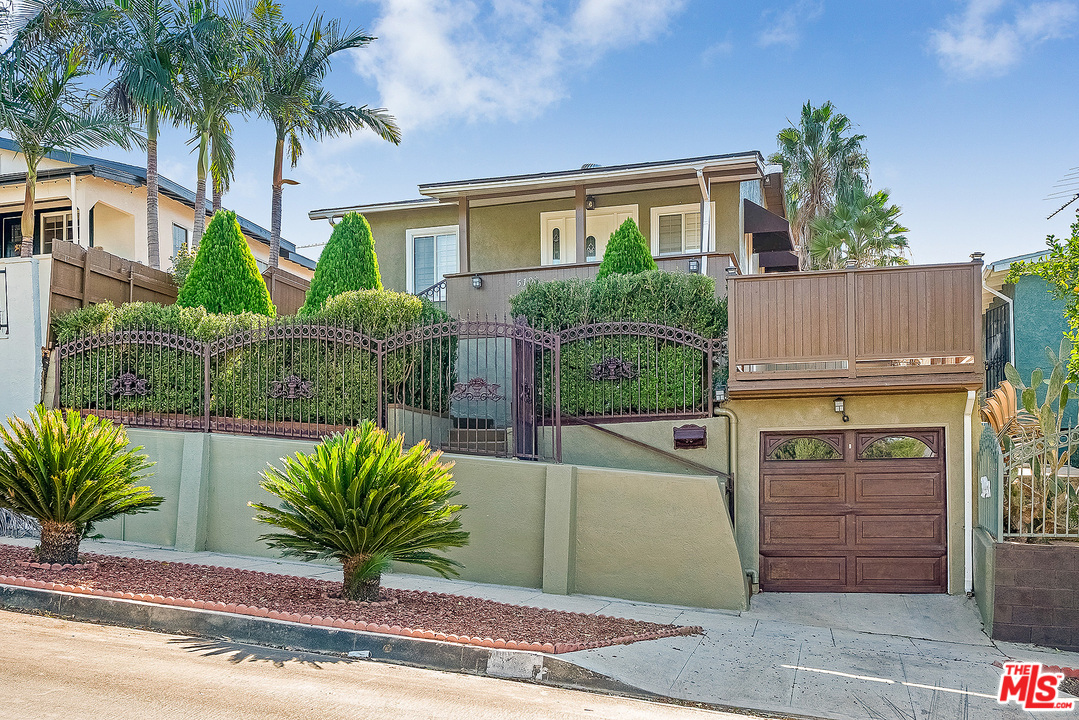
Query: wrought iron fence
point(1036, 491)
point(471, 386)
point(436, 294)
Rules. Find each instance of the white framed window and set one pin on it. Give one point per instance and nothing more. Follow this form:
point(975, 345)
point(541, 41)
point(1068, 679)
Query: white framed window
point(676, 229)
point(430, 254)
point(179, 239)
point(55, 226)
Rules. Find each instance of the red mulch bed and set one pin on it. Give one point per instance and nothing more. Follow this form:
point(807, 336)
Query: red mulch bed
point(415, 614)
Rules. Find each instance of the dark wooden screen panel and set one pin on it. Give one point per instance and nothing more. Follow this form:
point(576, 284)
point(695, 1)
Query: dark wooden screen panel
point(82, 277)
point(287, 291)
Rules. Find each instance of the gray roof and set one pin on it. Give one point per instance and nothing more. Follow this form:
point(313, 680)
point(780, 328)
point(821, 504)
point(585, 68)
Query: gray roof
point(135, 175)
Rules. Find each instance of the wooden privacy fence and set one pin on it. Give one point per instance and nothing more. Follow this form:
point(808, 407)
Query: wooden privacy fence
point(854, 327)
point(471, 386)
point(87, 276)
point(287, 291)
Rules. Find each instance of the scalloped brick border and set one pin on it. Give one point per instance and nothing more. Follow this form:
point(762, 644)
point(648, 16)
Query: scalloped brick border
point(56, 566)
point(261, 612)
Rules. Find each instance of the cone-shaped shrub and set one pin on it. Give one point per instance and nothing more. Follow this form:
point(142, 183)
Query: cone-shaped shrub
point(68, 472)
point(348, 262)
point(224, 277)
point(627, 252)
point(361, 499)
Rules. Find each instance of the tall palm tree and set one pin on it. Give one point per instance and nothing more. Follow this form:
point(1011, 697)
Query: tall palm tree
point(44, 108)
point(144, 50)
point(293, 97)
point(217, 80)
point(863, 228)
point(822, 160)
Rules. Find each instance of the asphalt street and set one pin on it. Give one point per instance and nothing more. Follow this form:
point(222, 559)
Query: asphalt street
point(59, 669)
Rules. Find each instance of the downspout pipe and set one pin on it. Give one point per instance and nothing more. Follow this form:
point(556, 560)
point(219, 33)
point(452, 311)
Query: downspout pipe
point(968, 492)
point(1011, 318)
point(732, 469)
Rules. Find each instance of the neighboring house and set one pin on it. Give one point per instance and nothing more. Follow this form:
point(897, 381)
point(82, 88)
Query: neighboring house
point(101, 203)
point(848, 431)
point(1022, 319)
point(487, 237)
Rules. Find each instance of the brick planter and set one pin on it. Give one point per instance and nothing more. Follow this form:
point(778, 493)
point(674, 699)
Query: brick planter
point(1036, 594)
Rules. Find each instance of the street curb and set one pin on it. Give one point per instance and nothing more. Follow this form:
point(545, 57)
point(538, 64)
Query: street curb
point(396, 649)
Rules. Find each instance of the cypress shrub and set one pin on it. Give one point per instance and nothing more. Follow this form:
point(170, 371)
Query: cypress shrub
point(627, 252)
point(348, 262)
point(224, 277)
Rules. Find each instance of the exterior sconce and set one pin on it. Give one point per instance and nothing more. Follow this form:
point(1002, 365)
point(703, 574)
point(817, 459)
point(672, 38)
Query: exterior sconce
point(477, 282)
point(851, 264)
point(840, 407)
point(721, 394)
point(695, 266)
point(590, 202)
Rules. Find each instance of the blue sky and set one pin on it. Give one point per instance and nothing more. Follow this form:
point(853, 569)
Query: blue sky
point(970, 106)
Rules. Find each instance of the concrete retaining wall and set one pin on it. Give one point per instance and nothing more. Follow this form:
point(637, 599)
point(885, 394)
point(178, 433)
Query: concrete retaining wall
point(648, 536)
point(1035, 598)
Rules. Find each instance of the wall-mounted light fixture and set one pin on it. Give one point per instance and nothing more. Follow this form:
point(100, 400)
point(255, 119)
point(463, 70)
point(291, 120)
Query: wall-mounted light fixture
point(840, 407)
point(851, 263)
point(721, 394)
point(477, 282)
point(590, 202)
point(695, 266)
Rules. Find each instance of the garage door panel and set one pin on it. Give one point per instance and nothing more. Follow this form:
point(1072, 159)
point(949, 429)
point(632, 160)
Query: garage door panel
point(905, 529)
point(887, 572)
point(905, 487)
point(792, 573)
point(805, 487)
point(802, 530)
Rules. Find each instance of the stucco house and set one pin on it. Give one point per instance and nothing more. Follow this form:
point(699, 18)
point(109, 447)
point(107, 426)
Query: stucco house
point(101, 203)
point(846, 429)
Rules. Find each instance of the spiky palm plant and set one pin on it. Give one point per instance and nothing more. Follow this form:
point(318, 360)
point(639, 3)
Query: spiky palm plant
point(69, 472)
point(363, 500)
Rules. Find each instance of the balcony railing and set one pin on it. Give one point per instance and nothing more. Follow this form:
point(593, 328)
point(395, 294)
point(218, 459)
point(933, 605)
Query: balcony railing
point(498, 286)
point(903, 327)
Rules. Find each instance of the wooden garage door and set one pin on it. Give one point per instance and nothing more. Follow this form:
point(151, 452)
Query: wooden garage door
point(853, 511)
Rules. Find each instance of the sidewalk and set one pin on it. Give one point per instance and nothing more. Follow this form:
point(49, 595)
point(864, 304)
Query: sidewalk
point(922, 657)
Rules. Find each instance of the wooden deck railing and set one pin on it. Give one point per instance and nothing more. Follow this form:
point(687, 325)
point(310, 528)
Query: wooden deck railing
point(498, 286)
point(904, 327)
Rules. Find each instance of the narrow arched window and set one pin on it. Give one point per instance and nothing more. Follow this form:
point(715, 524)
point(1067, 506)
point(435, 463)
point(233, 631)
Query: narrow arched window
point(590, 248)
point(556, 244)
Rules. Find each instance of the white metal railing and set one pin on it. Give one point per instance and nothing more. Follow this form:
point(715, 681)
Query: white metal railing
point(1038, 487)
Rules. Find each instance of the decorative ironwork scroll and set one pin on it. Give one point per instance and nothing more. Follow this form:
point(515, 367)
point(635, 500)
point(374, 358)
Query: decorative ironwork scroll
point(292, 387)
point(613, 368)
point(476, 389)
point(129, 384)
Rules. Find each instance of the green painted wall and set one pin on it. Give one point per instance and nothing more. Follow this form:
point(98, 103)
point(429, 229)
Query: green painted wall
point(157, 527)
point(584, 445)
point(865, 411)
point(508, 236)
point(656, 538)
point(984, 575)
point(1039, 323)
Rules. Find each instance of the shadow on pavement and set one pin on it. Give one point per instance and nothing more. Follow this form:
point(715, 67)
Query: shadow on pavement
point(237, 653)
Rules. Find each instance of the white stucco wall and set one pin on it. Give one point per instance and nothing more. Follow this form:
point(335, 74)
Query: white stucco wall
point(20, 348)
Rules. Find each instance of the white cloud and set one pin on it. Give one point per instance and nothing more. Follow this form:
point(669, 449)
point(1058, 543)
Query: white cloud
point(784, 27)
point(716, 50)
point(502, 59)
point(989, 36)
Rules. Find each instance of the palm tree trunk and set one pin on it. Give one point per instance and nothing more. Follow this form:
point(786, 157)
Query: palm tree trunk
point(217, 195)
point(200, 193)
point(26, 249)
point(153, 229)
point(59, 543)
point(275, 201)
point(356, 587)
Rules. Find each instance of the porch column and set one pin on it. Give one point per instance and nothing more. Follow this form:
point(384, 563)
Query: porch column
point(580, 225)
point(463, 250)
point(706, 211)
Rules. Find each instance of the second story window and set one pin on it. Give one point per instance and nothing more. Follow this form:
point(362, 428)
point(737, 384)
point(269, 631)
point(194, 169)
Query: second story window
point(432, 254)
point(54, 226)
point(179, 239)
point(676, 229)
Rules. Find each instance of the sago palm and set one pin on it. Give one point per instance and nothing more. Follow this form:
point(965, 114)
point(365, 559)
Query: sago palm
point(69, 472)
point(822, 160)
point(293, 68)
point(363, 500)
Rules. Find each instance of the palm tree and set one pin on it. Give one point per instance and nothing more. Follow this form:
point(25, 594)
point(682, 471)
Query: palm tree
point(69, 472)
point(217, 80)
point(144, 51)
point(822, 161)
point(44, 109)
point(363, 500)
point(862, 228)
point(293, 97)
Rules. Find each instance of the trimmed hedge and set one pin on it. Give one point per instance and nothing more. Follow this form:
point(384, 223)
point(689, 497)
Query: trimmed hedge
point(348, 262)
point(344, 380)
point(627, 252)
point(224, 277)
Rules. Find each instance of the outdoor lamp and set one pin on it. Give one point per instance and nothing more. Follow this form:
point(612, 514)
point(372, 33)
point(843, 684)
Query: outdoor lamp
point(721, 394)
point(840, 407)
point(590, 202)
point(477, 282)
point(976, 256)
point(851, 264)
point(695, 265)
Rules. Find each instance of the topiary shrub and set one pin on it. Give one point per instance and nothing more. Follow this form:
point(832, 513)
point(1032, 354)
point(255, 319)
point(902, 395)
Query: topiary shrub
point(224, 277)
point(348, 262)
point(363, 500)
point(627, 252)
